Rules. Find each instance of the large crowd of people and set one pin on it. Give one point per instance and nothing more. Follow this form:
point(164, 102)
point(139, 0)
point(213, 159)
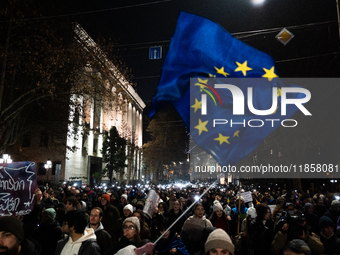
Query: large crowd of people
point(69, 220)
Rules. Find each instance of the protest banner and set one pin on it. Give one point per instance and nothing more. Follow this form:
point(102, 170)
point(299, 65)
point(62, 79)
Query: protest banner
point(18, 182)
point(246, 196)
point(151, 202)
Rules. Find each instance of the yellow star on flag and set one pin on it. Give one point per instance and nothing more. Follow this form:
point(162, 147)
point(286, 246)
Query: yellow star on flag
point(269, 74)
point(237, 134)
point(221, 71)
point(222, 139)
point(243, 67)
point(201, 126)
point(197, 105)
point(212, 76)
point(201, 83)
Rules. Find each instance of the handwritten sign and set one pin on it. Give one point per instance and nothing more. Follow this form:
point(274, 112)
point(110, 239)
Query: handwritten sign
point(18, 182)
point(150, 204)
point(247, 196)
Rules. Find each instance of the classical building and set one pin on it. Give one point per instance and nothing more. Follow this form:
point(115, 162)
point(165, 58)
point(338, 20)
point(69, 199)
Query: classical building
point(89, 123)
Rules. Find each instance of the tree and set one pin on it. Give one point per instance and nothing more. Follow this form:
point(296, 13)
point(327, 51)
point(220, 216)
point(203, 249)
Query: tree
point(169, 142)
point(114, 153)
point(43, 62)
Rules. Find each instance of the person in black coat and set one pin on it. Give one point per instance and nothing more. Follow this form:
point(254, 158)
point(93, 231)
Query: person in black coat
point(330, 242)
point(334, 211)
point(312, 219)
point(111, 216)
point(261, 230)
point(48, 233)
point(174, 214)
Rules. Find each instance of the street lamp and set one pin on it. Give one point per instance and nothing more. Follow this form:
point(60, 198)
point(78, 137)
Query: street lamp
point(6, 159)
point(48, 165)
point(258, 2)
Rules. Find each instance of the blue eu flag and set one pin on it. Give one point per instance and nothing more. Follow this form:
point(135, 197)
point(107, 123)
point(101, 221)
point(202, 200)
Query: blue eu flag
point(201, 49)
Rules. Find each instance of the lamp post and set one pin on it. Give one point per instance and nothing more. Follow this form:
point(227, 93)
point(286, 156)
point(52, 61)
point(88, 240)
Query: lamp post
point(6, 158)
point(48, 165)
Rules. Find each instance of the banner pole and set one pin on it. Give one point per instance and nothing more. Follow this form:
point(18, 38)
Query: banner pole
point(239, 207)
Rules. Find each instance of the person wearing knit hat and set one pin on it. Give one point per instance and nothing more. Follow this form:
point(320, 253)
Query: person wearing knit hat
point(48, 232)
point(335, 203)
point(124, 196)
point(128, 210)
point(218, 218)
point(251, 212)
point(107, 197)
point(111, 215)
point(50, 212)
point(325, 222)
point(134, 220)
point(12, 225)
point(219, 241)
point(330, 242)
point(12, 239)
point(217, 206)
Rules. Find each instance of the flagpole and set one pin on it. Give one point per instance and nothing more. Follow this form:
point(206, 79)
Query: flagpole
point(239, 207)
point(338, 14)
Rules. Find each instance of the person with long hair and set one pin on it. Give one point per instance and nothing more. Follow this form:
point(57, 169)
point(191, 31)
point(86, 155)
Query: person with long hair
point(173, 214)
point(218, 218)
point(144, 227)
point(261, 230)
point(162, 208)
point(192, 232)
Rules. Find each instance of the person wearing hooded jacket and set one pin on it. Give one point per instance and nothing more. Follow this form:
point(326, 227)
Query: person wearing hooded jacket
point(192, 231)
point(79, 240)
point(103, 237)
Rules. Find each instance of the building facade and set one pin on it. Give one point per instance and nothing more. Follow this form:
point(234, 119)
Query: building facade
point(78, 153)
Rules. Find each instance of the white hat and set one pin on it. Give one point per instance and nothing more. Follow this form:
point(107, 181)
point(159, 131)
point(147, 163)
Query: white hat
point(217, 206)
point(219, 239)
point(335, 203)
point(124, 196)
point(128, 207)
point(242, 199)
point(252, 212)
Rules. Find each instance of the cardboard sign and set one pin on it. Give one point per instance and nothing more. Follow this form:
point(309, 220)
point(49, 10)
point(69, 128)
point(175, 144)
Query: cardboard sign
point(247, 196)
point(18, 182)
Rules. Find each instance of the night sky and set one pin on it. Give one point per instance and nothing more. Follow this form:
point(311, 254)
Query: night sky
point(138, 25)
